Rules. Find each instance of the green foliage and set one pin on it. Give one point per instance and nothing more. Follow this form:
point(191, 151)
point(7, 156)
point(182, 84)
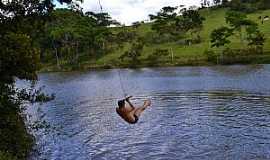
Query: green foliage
point(239, 5)
point(248, 6)
point(235, 19)
point(187, 54)
point(21, 24)
point(164, 21)
point(6, 156)
point(264, 4)
point(243, 56)
point(134, 53)
point(158, 54)
point(190, 20)
point(217, 2)
point(18, 58)
point(255, 38)
point(170, 26)
point(211, 56)
point(238, 21)
point(14, 138)
point(238, 24)
point(125, 36)
point(102, 19)
point(219, 37)
point(73, 34)
point(136, 24)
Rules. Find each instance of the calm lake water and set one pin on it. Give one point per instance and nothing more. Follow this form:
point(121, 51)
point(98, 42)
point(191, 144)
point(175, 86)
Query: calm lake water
point(197, 113)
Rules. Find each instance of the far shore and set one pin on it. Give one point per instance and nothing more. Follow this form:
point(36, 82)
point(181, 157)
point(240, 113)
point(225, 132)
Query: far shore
point(67, 68)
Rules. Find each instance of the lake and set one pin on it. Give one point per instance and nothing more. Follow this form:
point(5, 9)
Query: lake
point(197, 113)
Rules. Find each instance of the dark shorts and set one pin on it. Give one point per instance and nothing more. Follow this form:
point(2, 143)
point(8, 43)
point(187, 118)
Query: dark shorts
point(121, 103)
point(136, 119)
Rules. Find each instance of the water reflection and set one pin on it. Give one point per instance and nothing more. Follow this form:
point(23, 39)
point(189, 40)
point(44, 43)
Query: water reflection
point(238, 70)
point(196, 113)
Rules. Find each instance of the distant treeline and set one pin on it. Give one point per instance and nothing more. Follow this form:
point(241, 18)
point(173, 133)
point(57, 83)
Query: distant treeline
point(242, 5)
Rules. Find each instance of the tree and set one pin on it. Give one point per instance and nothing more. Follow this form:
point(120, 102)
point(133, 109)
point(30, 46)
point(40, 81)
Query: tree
point(20, 23)
point(164, 21)
point(225, 3)
point(134, 53)
point(219, 37)
point(205, 3)
point(158, 54)
point(102, 19)
point(167, 22)
point(73, 34)
point(136, 24)
point(246, 6)
point(249, 5)
point(264, 4)
point(217, 2)
point(190, 21)
point(238, 21)
point(255, 39)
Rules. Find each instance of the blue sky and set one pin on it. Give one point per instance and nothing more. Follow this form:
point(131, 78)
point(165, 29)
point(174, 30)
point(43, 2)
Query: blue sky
point(128, 11)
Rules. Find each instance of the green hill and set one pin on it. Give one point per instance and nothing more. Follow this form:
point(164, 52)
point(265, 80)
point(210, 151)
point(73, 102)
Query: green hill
point(180, 54)
point(193, 54)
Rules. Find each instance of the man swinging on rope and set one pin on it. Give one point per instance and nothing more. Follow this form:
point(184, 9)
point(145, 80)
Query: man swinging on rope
point(128, 112)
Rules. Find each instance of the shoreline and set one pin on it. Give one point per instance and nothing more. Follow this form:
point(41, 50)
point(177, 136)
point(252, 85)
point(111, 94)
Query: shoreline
point(108, 67)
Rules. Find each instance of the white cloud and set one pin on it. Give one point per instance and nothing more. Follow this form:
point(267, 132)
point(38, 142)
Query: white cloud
point(128, 11)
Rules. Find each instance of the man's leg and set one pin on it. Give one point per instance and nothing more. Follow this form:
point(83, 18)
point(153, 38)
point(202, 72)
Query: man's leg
point(139, 110)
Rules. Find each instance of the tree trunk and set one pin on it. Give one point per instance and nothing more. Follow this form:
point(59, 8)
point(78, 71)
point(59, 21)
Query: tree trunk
point(57, 57)
point(77, 52)
point(42, 54)
point(241, 36)
point(172, 54)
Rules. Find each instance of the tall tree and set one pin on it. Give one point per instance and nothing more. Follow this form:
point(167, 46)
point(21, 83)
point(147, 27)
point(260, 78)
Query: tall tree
point(20, 23)
point(191, 21)
point(219, 37)
point(255, 38)
point(239, 22)
point(164, 21)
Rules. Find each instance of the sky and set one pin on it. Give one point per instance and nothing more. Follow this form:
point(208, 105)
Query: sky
point(128, 11)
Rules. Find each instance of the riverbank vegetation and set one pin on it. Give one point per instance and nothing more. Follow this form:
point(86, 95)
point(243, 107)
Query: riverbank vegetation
point(20, 31)
point(186, 36)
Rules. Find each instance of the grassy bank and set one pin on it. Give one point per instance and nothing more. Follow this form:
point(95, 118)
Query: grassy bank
point(180, 54)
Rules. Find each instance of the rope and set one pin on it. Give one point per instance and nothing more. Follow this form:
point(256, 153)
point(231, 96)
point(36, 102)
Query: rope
point(121, 84)
point(101, 9)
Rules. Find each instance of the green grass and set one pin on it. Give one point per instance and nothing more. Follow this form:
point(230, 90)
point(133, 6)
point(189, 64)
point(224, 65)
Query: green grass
point(183, 54)
point(215, 18)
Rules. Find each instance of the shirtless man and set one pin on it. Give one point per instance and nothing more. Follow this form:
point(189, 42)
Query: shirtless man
point(128, 112)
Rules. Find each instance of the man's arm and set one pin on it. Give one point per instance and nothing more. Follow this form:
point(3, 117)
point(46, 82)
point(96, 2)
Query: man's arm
point(131, 105)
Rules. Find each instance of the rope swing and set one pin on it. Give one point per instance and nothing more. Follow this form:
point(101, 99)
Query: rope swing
point(119, 74)
point(101, 9)
point(121, 84)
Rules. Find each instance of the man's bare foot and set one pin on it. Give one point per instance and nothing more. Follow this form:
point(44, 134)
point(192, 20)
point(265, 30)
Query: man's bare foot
point(127, 98)
point(147, 102)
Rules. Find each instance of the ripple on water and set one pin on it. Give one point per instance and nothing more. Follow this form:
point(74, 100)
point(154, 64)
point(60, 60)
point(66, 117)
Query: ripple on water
point(179, 125)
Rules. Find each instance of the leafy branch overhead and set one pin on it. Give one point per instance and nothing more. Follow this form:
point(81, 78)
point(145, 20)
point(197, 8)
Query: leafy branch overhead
point(28, 29)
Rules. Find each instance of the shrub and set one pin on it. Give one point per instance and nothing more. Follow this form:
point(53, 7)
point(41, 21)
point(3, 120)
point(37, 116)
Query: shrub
point(133, 54)
point(211, 56)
